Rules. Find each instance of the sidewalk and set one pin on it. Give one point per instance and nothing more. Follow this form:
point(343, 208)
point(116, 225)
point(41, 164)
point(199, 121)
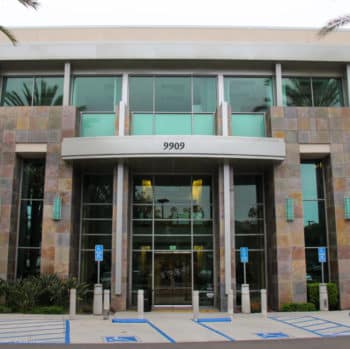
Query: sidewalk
point(171, 327)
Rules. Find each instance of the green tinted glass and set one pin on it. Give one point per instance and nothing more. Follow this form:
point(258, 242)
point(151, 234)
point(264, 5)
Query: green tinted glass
point(327, 92)
point(248, 125)
point(141, 93)
point(297, 92)
point(203, 124)
point(173, 94)
point(93, 125)
point(311, 181)
point(97, 93)
point(204, 94)
point(48, 91)
point(173, 124)
point(142, 124)
point(249, 94)
point(17, 91)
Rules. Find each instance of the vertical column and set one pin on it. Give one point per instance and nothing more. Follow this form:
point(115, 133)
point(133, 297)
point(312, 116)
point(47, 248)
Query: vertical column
point(119, 229)
point(348, 84)
point(66, 84)
point(278, 79)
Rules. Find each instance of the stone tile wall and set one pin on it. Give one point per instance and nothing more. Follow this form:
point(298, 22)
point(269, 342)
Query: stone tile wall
point(37, 125)
point(311, 126)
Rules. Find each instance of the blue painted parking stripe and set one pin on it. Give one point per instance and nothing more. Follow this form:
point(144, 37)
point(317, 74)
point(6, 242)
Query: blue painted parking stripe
point(215, 319)
point(144, 321)
point(129, 321)
point(297, 322)
point(230, 339)
point(67, 332)
point(171, 340)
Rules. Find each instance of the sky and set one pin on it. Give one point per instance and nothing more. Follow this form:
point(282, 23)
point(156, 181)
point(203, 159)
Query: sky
point(267, 13)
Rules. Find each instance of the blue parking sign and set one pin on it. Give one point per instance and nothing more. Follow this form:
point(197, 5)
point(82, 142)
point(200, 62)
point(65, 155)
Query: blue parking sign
point(322, 257)
point(98, 253)
point(243, 252)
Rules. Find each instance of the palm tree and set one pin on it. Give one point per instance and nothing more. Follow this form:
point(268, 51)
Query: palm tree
point(334, 24)
point(27, 3)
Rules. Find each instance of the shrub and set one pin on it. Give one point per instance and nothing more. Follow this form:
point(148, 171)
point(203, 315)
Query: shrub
point(298, 307)
point(4, 309)
point(53, 309)
point(41, 292)
point(313, 295)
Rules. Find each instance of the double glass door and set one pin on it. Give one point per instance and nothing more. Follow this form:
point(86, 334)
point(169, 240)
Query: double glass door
point(172, 279)
point(172, 238)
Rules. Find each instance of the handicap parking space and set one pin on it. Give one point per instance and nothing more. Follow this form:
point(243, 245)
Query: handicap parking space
point(30, 330)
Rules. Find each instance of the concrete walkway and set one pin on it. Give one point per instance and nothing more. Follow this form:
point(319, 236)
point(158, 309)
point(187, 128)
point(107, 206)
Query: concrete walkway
point(171, 327)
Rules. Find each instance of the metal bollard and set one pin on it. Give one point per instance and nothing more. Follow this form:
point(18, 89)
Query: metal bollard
point(245, 299)
point(140, 300)
point(263, 302)
point(230, 302)
point(72, 302)
point(106, 304)
point(97, 304)
point(195, 304)
point(323, 297)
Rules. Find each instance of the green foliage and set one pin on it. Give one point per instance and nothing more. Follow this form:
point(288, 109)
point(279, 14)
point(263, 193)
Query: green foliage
point(313, 295)
point(47, 293)
point(298, 307)
point(53, 309)
point(4, 309)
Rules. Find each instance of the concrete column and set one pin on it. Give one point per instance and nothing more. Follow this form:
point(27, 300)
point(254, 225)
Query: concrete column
point(140, 300)
point(121, 119)
point(66, 84)
point(323, 297)
point(263, 302)
point(230, 302)
point(72, 302)
point(97, 303)
point(279, 89)
point(119, 229)
point(245, 299)
point(106, 303)
point(227, 228)
point(195, 304)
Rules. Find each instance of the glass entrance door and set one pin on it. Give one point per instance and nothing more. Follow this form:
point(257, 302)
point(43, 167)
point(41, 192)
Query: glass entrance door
point(172, 279)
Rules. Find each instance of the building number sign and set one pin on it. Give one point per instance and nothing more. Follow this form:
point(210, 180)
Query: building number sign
point(173, 145)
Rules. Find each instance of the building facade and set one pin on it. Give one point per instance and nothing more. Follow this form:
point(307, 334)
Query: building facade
point(174, 148)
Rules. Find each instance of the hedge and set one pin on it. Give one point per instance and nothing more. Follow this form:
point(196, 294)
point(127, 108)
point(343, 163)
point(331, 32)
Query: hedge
point(313, 295)
point(298, 307)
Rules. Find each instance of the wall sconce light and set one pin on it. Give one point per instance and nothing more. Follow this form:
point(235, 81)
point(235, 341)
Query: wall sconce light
point(57, 208)
point(290, 210)
point(346, 207)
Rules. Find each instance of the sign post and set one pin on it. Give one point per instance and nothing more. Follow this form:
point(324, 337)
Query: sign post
point(98, 259)
point(244, 256)
point(322, 258)
point(323, 292)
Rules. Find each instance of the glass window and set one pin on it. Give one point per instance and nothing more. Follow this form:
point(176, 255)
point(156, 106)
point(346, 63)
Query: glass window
point(318, 92)
point(327, 92)
point(96, 226)
point(297, 92)
point(141, 93)
point(30, 218)
point(314, 210)
point(249, 229)
point(33, 91)
point(173, 94)
point(97, 93)
point(204, 94)
point(48, 91)
point(17, 91)
point(178, 94)
point(249, 94)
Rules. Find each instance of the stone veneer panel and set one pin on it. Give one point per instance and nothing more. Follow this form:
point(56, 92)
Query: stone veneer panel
point(37, 125)
point(312, 126)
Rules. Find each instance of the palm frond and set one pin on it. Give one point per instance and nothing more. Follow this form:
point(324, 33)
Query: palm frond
point(8, 34)
point(30, 3)
point(334, 24)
